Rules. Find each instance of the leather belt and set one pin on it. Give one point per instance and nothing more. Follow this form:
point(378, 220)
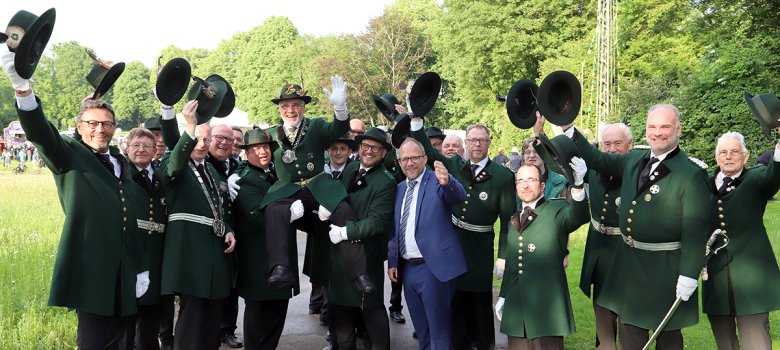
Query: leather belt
point(471, 227)
point(415, 261)
point(653, 247)
point(605, 230)
point(150, 226)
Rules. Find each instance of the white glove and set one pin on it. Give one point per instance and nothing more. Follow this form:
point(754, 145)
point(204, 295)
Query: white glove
point(19, 83)
point(337, 234)
point(338, 98)
point(233, 186)
point(167, 112)
point(141, 283)
point(296, 210)
point(579, 169)
point(500, 308)
point(685, 287)
point(498, 268)
point(323, 213)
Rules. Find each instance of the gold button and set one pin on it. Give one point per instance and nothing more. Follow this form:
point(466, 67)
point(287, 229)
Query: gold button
point(120, 192)
point(720, 201)
point(124, 229)
point(520, 272)
point(466, 202)
point(606, 195)
point(470, 187)
point(151, 212)
point(124, 209)
point(628, 230)
point(631, 211)
point(633, 202)
point(519, 251)
point(296, 165)
point(151, 218)
point(464, 209)
point(723, 231)
point(520, 244)
point(720, 208)
point(125, 219)
point(120, 182)
point(151, 205)
point(462, 217)
point(520, 238)
point(629, 220)
point(602, 217)
point(123, 199)
point(299, 172)
point(468, 194)
point(720, 216)
point(520, 257)
point(606, 203)
point(603, 210)
point(520, 265)
point(722, 224)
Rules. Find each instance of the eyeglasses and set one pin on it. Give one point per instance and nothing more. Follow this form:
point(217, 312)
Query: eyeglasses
point(137, 146)
point(373, 148)
point(220, 139)
point(93, 124)
point(529, 152)
point(477, 141)
point(206, 139)
point(413, 159)
point(733, 153)
point(356, 132)
point(529, 181)
point(239, 140)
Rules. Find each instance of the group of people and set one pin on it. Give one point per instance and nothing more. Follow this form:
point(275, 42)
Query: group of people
point(181, 215)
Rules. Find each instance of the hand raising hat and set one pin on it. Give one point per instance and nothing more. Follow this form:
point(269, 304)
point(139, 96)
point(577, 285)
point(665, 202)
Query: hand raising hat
point(27, 36)
point(172, 81)
point(211, 93)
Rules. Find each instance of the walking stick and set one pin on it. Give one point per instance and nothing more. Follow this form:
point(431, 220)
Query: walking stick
point(708, 252)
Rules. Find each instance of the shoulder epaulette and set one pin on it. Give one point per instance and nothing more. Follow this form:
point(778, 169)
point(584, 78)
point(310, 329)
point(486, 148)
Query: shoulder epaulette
point(698, 162)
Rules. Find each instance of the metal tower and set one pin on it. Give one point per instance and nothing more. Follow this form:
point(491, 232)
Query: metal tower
point(606, 62)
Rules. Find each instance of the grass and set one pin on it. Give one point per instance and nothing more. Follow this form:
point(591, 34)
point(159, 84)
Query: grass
point(30, 225)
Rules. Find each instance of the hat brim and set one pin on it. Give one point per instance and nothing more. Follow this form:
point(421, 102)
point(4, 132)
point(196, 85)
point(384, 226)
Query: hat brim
point(306, 99)
point(173, 80)
point(402, 129)
point(352, 144)
point(385, 107)
point(521, 103)
point(424, 93)
point(228, 102)
point(207, 108)
point(558, 156)
point(109, 79)
point(758, 115)
point(31, 47)
point(362, 137)
point(560, 97)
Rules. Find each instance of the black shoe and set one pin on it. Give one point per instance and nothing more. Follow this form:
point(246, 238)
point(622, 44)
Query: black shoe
point(232, 341)
point(324, 320)
point(397, 317)
point(363, 284)
point(314, 312)
point(280, 277)
point(414, 334)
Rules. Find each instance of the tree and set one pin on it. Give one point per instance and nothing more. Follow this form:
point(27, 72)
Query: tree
point(133, 100)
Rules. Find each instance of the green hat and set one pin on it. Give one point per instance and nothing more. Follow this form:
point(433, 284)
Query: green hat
point(401, 130)
point(258, 136)
point(292, 91)
point(27, 36)
point(352, 144)
point(172, 81)
point(434, 132)
point(424, 93)
point(766, 110)
point(375, 134)
point(210, 94)
point(103, 75)
point(560, 97)
point(557, 154)
point(386, 105)
point(521, 103)
point(153, 123)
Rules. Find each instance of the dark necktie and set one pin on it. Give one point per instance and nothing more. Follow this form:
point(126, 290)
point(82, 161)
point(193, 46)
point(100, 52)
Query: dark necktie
point(405, 216)
point(524, 217)
point(106, 161)
point(270, 176)
point(644, 176)
point(147, 181)
point(204, 176)
point(360, 176)
point(336, 174)
point(474, 170)
point(723, 188)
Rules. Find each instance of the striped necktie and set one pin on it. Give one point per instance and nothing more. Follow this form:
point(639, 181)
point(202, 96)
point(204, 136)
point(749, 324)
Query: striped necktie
point(405, 216)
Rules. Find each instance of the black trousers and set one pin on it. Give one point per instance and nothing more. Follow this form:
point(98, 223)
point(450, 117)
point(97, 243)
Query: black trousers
point(344, 320)
point(318, 301)
point(263, 323)
point(230, 313)
point(472, 320)
point(102, 332)
point(144, 335)
point(198, 323)
point(633, 337)
point(396, 290)
point(277, 227)
point(168, 308)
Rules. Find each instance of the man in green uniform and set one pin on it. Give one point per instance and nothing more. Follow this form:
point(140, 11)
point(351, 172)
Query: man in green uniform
point(489, 196)
point(664, 221)
point(534, 306)
point(555, 184)
point(198, 239)
point(744, 281)
point(98, 269)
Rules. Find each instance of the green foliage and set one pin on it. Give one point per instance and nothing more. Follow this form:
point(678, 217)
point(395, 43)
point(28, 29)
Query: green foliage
point(133, 99)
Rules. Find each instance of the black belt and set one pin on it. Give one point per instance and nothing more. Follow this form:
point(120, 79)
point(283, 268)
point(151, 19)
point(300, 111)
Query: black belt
point(415, 261)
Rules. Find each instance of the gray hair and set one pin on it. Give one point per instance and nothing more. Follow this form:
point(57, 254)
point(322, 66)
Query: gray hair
point(478, 126)
point(412, 140)
point(731, 135)
point(623, 127)
point(671, 107)
point(95, 103)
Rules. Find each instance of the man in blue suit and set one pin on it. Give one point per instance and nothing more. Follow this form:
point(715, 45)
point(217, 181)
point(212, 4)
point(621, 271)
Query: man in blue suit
point(426, 254)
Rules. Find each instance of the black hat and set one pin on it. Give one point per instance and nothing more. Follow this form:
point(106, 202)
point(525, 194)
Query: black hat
point(172, 81)
point(424, 93)
point(352, 144)
point(401, 130)
point(766, 110)
point(560, 97)
point(103, 75)
point(386, 105)
point(27, 36)
point(521, 103)
point(210, 93)
point(153, 123)
point(228, 102)
point(434, 132)
point(375, 134)
point(292, 91)
point(257, 136)
point(557, 154)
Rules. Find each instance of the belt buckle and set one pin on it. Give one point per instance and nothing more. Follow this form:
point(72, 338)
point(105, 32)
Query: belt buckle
point(157, 227)
point(461, 223)
point(629, 241)
point(601, 228)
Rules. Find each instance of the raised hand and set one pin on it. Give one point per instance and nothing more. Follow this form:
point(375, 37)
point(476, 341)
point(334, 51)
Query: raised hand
point(441, 173)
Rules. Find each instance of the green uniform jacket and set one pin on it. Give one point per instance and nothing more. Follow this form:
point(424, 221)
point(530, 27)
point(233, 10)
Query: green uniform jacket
point(537, 294)
point(250, 231)
point(489, 196)
point(151, 207)
point(747, 263)
point(309, 156)
point(673, 207)
point(194, 263)
point(373, 203)
point(98, 247)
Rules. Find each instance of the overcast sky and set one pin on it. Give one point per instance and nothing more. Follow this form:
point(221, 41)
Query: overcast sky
point(137, 30)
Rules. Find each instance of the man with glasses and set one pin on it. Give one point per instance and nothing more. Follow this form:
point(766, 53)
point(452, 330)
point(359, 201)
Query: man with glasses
point(489, 197)
point(357, 128)
point(554, 183)
point(98, 269)
point(238, 140)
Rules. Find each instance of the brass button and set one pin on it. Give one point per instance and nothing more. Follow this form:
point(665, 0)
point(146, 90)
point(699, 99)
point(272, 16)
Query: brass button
point(151, 212)
point(602, 217)
point(631, 211)
point(464, 209)
point(462, 217)
point(606, 203)
point(520, 257)
point(468, 195)
point(124, 209)
point(720, 201)
point(606, 195)
point(629, 220)
point(520, 238)
point(520, 244)
point(720, 216)
point(520, 265)
point(722, 224)
point(633, 202)
point(299, 172)
point(519, 251)
point(723, 231)
point(628, 230)
point(296, 165)
point(151, 205)
point(123, 199)
point(125, 219)
point(466, 202)
point(520, 272)
point(603, 210)
point(720, 208)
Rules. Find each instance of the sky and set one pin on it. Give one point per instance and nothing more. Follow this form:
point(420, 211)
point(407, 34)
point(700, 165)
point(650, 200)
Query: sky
point(138, 30)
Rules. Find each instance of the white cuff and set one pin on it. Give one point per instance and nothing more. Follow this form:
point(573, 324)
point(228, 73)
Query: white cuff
point(341, 114)
point(416, 124)
point(776, 156)
point(167, 113)
point(343, 233)
point(27, 103)
point(578, 194)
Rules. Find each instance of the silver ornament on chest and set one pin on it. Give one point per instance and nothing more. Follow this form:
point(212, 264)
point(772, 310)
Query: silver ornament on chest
point(654, 189)
point(288, 156)
point(531, 248)
point(483, 196)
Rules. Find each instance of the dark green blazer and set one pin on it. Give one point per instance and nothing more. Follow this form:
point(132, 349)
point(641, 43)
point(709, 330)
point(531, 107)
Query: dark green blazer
point(98, 250)
point(151, 207)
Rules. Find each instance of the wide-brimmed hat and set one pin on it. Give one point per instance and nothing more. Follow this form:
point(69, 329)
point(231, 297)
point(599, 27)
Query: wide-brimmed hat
point(228, 102)
point(521, 104)
point(173, 80)
point(386, 105)
point(153, 123)
point(352, 144)
point(766, 110)
point(375, 134)
point(103, 75)
point(560, 97)
point(292, 91)
point(209, 93)
point(557, 154)
point(257, 136)
point(424, 93)
point(435, 133)
point(27, 36)
point(402, 129)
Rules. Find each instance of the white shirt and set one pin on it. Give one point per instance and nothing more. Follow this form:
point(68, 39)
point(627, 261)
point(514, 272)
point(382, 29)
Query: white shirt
point(480, 165)
point(150, 169)
point(330, 169)
point(115, 162)
point(660, 157)
point(412, 250)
